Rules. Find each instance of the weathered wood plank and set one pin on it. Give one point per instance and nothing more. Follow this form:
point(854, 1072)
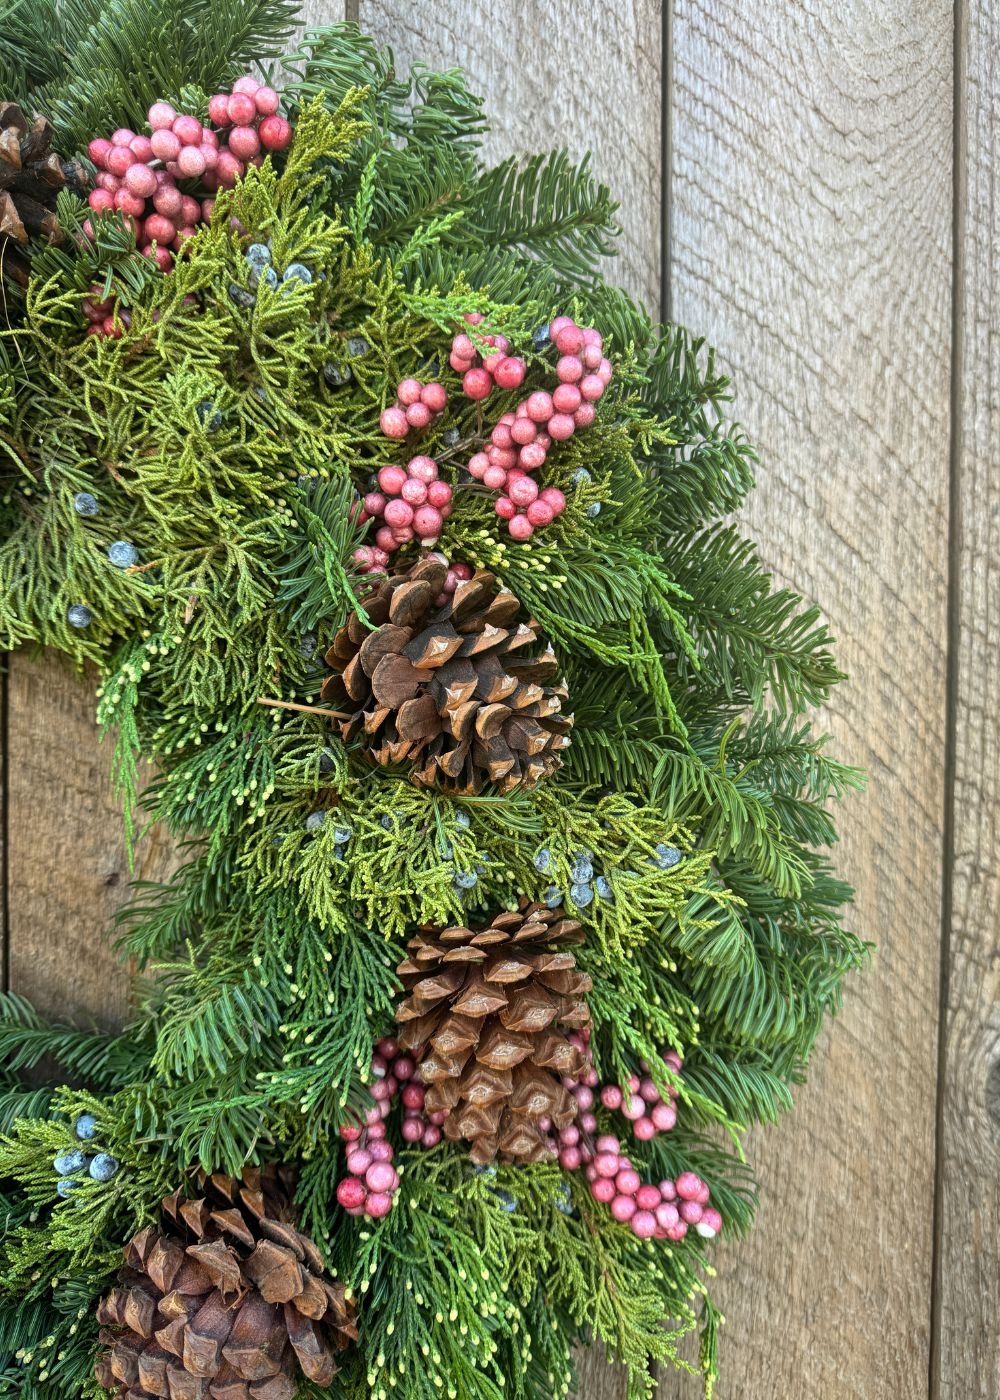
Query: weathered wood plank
point(553, 75)
point(967, 1357)
point(67, 865)
point(811, 213)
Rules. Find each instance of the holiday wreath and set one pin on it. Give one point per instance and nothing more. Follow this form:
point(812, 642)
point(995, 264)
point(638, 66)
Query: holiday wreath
point(398, 539)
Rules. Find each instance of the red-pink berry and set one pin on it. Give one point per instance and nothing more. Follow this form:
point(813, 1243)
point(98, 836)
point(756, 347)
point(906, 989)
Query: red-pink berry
point(275, 133)
point(107, 181)
point(603, 1189)
point(163, 257)
point(495, 478)
point(523, 430)
point(427, 522)
point(688, 1186)
point(566, 398)
point(678, 1231)
point(633, 1108)
point(190, 210)
point(531, 456)
point(380, 1176)
point(398, 513)
point(414, 492)
point(629, 1182)
point(666, 1215)
point(412, 1129)
point(228, 169)
point(647, 1197)
point(209, 154)
point(359, 1160)
point(591, 356)
point(393, 423)
point(140, 181)
point(607, 1163)
point(569, 368)
point(385, 539)
point(161, 116)
point(691, 1211)
point(509, 373)
point(473, 318)
point(710, 1224)
point(98, 150)
point(501, 436)
point(244, 142)
point(622, 1208)
point(502, 457)
point(539, 514)
point(207, 209)
point(188, 130)
point(351, 1192)
point(408, 391)
point(664, 1116)
point(120, 159)
point(642, 1224)
point(604, 371)
point(584, 415)
point(218, 109)
point(557, 323)
point(141, 147)
point(185, 232)
point(422, 468)
point(476, 384)
point(435, 396)
point(123, 136)
point(241, 109)
point(522, 492)
point(458, 364)
point(439, 494)
point(418, 415)
point(561, 427)
point(350, 1132)
point(266, 101)
point(129, 203)
point(165, 145)
point(463, 347)
point(570, 1158)
point(413, 1095)
point(539, 406)
point(668, 1190)
point(505, 508)
point(591, 387)
point(378, 1205)
point(248, 84)
point(521, 528)
point(432, 1136)
point(477, 465)
point(611, 1095)
point(568, 339)
point(100, 200)
point(648, 1090)
point(191, 162)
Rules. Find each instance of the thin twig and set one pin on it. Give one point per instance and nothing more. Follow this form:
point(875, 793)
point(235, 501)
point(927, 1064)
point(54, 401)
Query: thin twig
point(302, 709)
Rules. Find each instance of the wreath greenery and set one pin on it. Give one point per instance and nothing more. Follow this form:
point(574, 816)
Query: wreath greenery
point(181, 505)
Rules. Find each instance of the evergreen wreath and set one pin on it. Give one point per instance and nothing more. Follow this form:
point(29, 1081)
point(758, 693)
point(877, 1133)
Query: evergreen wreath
point(399, 539)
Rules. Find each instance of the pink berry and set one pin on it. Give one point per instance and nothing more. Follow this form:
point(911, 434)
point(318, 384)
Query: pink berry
point(188, 130)
point(275, 133)
point(561, 427)
point(140, 181)
point(678, 1231)
point(611, 1095)
point(509, 373)
point(539, 406)
point(588, 1122)
point(359, 1161)
point(241, 109)
point(492, 363)
point(691, 1211)
point(557, 323)
point(412, 1129)
point(427, 522)
point(244, 142)
point(266, 101)
point(583, 1095)
point(522, 492)
point(350, 1132)
point(418, 415)
point(505, 508)
point(422, 468)
point(381, 1177)
point(165, 145)
point(248, 84)
point(522, 431)
point(477, 384)
point(190, 209)
point(413, 1095)
point(169, 202)
point(628, 1182)
point(566, 398)
point(209, 154)
point(603, 1190)
point(141, 147)
point(463, 347)
point(409, 391)
point(129, 203)
point(439, 494)
point(622, 1208)
point(591, 388)
point(688, 1186)
point(432, 1136)
point(393, 423)
point(495, 478)
point(398, 513)
point(591, 356)
point(207, 209)
point(458, 364)
point(607, 1163)
point(501, 435)
point(585, 415)
point(107, 181)
point(642, 1224)
point(540, 514)
point(123, 136)
point(569, 368)
point(228, 169)
point(668, 1190)
point(378, 1205)
point(647, 1197)
point(385, 539)
point(710, 1224)
point(435, 396)
point(218, 109)
point(120, 158)
point(568, 339)
point(666, 1215)
point(473, 318)
point(351, 1192)
point(414, 492)
point(185, 232)
point(99, 200)
point(633, 1108)
point(664, 1117)
point(161, 116)
point(570, 1158)
point(382, 1089)
point(531, 456)
point(163, 257)
point(477, 465)
point(648, 1090)
point(98, 151)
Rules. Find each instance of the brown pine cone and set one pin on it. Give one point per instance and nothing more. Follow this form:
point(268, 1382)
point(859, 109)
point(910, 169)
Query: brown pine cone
point(451, 688)
point(225, 1302)
point(31, 176)
point(489, 1005)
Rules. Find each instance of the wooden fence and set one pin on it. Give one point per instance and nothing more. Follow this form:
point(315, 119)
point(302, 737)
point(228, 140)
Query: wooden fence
point(813, 186)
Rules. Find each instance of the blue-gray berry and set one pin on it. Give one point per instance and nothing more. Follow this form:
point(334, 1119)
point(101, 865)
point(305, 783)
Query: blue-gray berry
point(445, 848)
point(315, 820)
point(387, 822)
point(452, 437)
point(327, 762)
point(507, 1202)
point(336, 377)
point(602, 887)
point(540, 338)
point(123, 554)
point(258, 255)
point(666, 856)
point(240, 297)
point(581, 895)
point(260, 393)
point(357, 346)
point(580, 476)
point(465, 880)
point(542, 860)
point(103, 1167)
point(297, 272)
point(307, 645)
point(552, 897)
point(72, 1161)
point(582, 869)
point(209, 416)
point(462, 820)
point(85, 1127)
point(65, 1185)
point(342, 834)
point(85, 504)
point(594, 509)
point(564, 1200)
point(79, 615)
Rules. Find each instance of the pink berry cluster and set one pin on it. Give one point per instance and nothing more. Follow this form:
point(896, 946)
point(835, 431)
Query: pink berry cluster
point(481, 373)
point(662, 1211)
point(417, 406)
point(644, 1106)
point(373, 1180)
point(521, 439)
point(411, 502)
point(100, 312)
point(138, 174)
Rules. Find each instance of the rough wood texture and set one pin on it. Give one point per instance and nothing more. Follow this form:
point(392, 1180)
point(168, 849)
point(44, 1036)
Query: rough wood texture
point(67, 864)
point(967, 1359)
point(555, 75)
point(811, 221)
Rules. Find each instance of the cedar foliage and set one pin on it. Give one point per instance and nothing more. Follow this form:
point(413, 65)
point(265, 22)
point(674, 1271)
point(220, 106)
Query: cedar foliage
point(269, 959)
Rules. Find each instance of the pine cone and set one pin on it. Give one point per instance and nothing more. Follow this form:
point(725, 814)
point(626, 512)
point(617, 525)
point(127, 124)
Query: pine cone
point(221, 1302)
point(487, 1004)
point(449, 686)
point(31, 176)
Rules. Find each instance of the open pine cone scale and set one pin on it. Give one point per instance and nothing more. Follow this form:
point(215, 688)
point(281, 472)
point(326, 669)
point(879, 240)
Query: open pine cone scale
point(31, 176)
point(453, 688)
point(227, 1302)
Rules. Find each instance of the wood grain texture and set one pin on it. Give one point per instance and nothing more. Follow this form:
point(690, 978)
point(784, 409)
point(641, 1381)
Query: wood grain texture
point(811, 221)
point(555, 75)
point(967, 1359)
point(67, 865)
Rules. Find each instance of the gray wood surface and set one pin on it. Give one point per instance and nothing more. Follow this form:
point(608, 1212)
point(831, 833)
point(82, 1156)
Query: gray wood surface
point(967, 1358)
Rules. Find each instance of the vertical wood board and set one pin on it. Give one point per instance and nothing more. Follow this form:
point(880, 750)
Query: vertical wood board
point(811, 219)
